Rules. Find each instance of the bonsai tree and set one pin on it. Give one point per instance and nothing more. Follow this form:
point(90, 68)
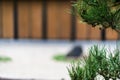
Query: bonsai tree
point(98, 13)
point(105, 14)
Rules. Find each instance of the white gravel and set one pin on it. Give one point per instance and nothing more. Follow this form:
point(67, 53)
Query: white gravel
point(34, 59)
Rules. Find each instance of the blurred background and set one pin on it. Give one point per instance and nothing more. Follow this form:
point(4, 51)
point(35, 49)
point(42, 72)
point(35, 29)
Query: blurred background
point(37, 22)
point(46, 20)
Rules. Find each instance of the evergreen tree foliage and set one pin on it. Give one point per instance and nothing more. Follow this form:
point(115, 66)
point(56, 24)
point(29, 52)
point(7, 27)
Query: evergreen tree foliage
point(105, 13)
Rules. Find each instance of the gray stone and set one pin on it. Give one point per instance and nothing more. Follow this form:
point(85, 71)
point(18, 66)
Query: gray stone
point(75, 52)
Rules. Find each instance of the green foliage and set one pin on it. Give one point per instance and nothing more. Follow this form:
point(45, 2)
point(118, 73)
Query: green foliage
point(98, 63)
point(5, 59)
point(63, 58)
point(105, 13)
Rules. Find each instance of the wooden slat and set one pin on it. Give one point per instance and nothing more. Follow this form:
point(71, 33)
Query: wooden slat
point(64, 20)
point(58, 20)
point(23, 20)
point(81, 30)
point(52, 19)
point(111, 34)
point(36, 19)
point(1, 20)
point(86, 32)
point(95, 33)
point(8, 20)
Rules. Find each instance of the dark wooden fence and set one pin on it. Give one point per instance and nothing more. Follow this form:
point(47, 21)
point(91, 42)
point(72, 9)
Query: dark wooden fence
point(46, 20)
